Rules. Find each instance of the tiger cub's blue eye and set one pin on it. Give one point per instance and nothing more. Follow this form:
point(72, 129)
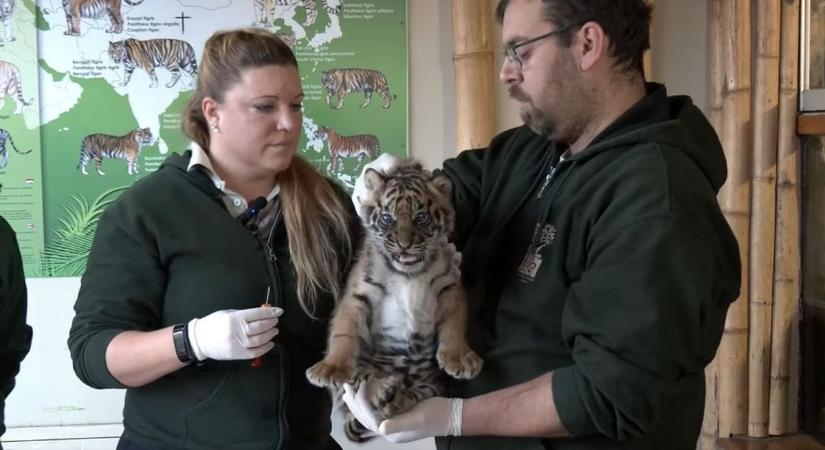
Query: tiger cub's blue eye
point(422, 217)
point(387, 219)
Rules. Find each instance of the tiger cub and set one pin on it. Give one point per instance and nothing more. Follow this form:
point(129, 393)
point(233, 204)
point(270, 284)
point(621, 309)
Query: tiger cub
point(403, 315)
point(97, 146)
point(4, 153)
point(359, 146)
point(92, 9)
point(11, 85)
point(173, 54)
point(341, 82)
point(6, 16)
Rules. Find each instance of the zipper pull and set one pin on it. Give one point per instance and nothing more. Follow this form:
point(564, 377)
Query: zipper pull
point(546, 182)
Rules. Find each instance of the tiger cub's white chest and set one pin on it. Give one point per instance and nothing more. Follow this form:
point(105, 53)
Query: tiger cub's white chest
point(410, 307)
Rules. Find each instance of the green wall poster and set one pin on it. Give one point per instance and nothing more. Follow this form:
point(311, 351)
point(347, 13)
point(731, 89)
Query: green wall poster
point(72, 83)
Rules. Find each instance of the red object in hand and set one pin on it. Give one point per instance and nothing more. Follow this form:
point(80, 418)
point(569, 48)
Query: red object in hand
point(258, 362)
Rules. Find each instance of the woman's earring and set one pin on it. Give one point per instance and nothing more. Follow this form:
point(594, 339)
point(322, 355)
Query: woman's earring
point(215, 128)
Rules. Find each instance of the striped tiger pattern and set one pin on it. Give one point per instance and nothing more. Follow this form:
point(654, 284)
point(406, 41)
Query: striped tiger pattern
point(92, 9)
point(11, 84)
point(399, 328)
point(341, 82)
point(5, 136)
point(172, 54)
point(360, 146)
point(127, 147)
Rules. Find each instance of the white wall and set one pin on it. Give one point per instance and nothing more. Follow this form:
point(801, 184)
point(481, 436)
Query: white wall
point(48, 392)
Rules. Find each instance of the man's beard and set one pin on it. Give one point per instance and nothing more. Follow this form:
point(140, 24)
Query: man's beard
point(539, 122)
point(570, 105)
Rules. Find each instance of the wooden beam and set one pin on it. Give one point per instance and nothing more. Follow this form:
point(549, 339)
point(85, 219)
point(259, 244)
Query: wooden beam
point(811, 124)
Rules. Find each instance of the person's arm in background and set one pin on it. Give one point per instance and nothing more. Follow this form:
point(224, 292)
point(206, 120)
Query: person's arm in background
point(15, 335)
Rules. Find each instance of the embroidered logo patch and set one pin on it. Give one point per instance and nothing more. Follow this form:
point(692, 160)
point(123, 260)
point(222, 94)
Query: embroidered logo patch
point(542, 237)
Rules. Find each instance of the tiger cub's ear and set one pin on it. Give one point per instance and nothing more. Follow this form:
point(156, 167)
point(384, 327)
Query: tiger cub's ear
point(373, 180)
point(443, 185)
point(373, 183)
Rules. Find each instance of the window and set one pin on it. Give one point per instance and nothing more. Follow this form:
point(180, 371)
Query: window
point(812, 68)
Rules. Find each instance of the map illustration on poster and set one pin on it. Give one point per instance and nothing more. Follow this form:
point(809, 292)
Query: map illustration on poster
point(88, 116)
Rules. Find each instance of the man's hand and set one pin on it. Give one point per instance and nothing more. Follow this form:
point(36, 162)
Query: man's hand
point(436, 416)
point(234, 334)
point(360, 407)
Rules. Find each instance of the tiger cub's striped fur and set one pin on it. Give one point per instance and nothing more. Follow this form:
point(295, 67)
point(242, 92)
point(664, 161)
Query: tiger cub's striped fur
point(127, 147)
point(92, 9)
point(359, 146)
point(5, 136)
point(402, 318)
point(341, 82)
point(11, 85)
point(173, 54)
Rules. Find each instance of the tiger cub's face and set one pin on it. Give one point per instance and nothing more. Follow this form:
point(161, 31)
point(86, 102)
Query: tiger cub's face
point(408, 214)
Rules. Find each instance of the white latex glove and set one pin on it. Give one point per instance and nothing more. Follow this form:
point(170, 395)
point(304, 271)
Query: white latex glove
point(360, 407)
point(435, 416)
point(234, 334)
point(383, 164)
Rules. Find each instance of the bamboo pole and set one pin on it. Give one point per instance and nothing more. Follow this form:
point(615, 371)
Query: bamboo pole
point(734, 198)
point(783, 404)
point(647, 61)
point(716, 84)
point(710, 422)
point(763, 213)
point(473, 62)
point(716, 65)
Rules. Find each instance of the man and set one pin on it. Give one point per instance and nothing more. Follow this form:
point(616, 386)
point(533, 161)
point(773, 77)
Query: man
point(15, 335)
point(598, 265)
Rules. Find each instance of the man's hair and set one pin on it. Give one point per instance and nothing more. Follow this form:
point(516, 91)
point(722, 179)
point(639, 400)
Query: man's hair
point(626, 23)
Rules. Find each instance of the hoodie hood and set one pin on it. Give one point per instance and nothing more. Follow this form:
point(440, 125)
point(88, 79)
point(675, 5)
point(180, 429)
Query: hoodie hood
point(180, 163)
point(673, 122)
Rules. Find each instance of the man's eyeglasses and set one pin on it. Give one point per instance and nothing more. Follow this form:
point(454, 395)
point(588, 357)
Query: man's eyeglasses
point(511, 51)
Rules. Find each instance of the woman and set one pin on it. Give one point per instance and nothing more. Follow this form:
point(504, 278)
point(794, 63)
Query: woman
point(170, 304)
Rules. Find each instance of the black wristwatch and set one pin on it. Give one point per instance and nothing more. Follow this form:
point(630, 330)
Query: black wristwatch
point(180, 336)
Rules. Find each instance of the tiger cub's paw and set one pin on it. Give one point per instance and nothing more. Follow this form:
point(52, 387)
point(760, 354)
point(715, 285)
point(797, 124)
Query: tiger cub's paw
point(461, 364)
point(325, 374)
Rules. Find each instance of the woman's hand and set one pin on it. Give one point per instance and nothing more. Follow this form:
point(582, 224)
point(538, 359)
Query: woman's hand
point(234, 334)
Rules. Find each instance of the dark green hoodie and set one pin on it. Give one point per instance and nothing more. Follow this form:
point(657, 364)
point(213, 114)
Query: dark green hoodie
point(613, 268)
point(168, 251)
